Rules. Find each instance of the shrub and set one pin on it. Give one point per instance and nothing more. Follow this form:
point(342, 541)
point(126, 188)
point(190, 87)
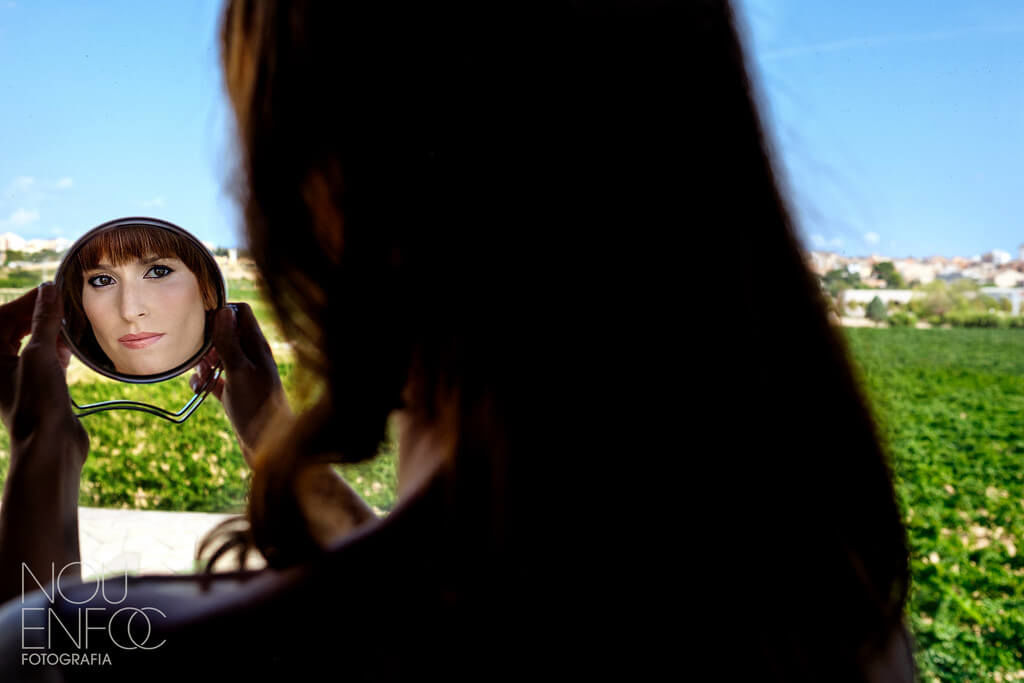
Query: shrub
point(876, 310)
point(19, 279)
point(902, 319)
point(986, 303)
point(974, 319)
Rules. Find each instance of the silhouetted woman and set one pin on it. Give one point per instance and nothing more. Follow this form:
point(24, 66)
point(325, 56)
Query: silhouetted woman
point(547, 240)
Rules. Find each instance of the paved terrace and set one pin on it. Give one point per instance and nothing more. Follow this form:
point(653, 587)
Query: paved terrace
point(143, 541)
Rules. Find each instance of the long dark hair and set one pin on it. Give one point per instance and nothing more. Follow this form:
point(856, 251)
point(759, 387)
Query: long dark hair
point(515, 208)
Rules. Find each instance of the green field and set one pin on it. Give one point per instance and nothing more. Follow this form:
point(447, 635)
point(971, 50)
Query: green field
point(140, 461)
point(951, 407)
point(950, 403)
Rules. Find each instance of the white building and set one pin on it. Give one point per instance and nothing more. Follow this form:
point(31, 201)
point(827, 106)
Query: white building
point(912, 271)
point(38, 244)
point(981, 273)
point(9, 241)
point(997, 256)
point(862, 268)
point(1008, 277)
point(821, 262)
point(864, 296)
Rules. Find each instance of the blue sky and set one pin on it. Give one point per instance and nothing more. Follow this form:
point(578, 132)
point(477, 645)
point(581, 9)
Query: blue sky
point(900, 125)
point(112, 109)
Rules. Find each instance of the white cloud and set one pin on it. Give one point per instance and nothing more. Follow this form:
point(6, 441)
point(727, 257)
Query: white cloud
point(64, 183)
point(20, 185)
point(872, 238)
point(869, 42)
point(155, 202)
point(23, 217)
point(820, 242)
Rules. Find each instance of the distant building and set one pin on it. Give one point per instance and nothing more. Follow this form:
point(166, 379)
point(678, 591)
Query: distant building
point(997, 256)
point(37, 244)
point(821, 262)
point(9, 241)
point(915, 271)
point(981, 272)
point(1009, 277)
point(860, 267)
point(888, 296)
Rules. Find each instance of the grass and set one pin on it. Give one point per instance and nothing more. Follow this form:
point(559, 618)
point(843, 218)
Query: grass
point(950, 404)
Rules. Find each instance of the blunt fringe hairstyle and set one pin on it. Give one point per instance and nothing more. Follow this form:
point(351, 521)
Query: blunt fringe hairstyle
point(123, 245)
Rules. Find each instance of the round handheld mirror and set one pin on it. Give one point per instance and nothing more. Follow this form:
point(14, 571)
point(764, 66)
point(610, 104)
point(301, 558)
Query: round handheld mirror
point(139, 298)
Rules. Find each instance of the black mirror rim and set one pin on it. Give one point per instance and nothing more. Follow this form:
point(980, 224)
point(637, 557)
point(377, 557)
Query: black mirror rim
point(148, 222)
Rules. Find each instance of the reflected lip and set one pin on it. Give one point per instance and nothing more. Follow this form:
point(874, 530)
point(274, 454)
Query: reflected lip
point(141, 340)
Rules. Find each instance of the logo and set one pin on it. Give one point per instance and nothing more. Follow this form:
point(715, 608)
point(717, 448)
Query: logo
point(106, 622)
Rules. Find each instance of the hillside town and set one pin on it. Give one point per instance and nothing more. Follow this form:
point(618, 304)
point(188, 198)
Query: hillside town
point(996, 267)
point(36, 259)
point(985, 290)
point(11, 242)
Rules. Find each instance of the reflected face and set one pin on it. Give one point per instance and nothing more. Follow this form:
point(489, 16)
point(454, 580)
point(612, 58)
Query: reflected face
point(146, 315)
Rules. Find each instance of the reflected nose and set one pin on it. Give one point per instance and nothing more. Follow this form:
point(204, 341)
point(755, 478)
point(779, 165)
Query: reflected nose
point(133, 305)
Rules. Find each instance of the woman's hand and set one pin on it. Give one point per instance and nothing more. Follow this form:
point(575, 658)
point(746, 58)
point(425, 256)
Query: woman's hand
point(250, 388)
point(39, 513)
point(33, 385)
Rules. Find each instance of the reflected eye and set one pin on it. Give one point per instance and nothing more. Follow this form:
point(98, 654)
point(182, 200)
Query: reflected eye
point(157, 272)
point(101, 281)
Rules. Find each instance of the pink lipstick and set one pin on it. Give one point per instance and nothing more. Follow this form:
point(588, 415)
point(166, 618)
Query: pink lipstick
point(140, 340)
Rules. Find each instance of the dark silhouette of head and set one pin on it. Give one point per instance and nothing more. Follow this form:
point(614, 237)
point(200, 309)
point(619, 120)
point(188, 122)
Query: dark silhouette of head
point(557, 227)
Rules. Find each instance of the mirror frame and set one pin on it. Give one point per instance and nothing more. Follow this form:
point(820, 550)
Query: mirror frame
point(153, 223)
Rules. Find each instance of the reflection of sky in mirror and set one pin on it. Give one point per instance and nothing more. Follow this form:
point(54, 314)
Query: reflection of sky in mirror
point(900, 124)
point(111, 109)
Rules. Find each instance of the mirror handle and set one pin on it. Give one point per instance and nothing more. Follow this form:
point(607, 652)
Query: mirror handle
point(177, 418)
